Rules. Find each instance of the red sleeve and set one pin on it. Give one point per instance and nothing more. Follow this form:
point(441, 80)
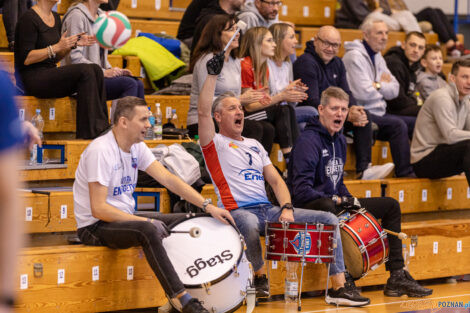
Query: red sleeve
point(248, 77)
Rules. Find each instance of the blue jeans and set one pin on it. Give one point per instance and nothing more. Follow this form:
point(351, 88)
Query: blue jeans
point(304, 114)
point(251, 223)
point(123, 86)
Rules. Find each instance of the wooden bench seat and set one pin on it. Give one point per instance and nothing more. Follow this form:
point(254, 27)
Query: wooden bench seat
point(110, 288)
point(154, 26)
point(308, 12)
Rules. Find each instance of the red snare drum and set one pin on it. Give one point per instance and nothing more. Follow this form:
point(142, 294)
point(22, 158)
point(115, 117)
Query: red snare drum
point(365, 244)
point(286, 242)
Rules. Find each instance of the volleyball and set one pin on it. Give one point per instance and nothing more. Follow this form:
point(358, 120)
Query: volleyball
point(112, 29)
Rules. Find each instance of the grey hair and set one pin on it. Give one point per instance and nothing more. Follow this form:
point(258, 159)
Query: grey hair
point(219, 99)
point(333, 92)
point(368, 23)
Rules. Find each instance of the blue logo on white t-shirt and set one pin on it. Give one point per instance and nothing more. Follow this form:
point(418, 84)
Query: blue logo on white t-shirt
point(251, 174)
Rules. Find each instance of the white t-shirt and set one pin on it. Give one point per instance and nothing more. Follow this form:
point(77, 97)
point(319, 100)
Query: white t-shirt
point(236, 169)
point(104, 162)
point(279, 76)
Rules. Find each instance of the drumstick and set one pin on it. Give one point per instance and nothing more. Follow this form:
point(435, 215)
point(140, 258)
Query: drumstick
point(193, 232)
point(400, 235)
point(241, 26)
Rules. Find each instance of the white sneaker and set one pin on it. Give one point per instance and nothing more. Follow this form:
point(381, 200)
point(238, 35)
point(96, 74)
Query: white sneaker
point(377, 171)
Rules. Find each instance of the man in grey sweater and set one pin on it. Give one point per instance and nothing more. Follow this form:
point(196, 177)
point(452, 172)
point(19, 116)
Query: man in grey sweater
point(441, 140)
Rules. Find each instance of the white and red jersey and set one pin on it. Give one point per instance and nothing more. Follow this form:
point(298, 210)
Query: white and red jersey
point(236, 169)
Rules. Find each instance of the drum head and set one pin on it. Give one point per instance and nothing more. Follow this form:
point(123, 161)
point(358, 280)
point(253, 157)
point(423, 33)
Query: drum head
point(352, 255)
point(206, 258)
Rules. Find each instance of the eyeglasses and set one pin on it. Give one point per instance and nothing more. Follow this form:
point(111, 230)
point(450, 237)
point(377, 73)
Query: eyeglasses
point(328, 44)
point(272, 3)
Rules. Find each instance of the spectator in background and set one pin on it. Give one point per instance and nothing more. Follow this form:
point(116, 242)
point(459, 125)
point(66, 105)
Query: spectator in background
point(38, 47)
point(441, 141)
point(403, 64)
point(432, 77)
point(118, 82)
point(216, 35)
point(199, 13)
point(371, 84)
point(320, 67)
point(257, 47)
point(12, 10)
point(280, 68)
point(260, 13)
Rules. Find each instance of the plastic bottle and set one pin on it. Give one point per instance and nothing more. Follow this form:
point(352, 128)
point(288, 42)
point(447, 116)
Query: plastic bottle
point(291, 292)
point(196, 138)
point(157, 129)
point(174, 118)
point(149, 134)
point(419, 99)
point(406, 256)
point(38, 122)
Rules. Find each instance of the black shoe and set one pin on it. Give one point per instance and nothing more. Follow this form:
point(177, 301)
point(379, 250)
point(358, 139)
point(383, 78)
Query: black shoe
point(194, 306)
point(346, 296)
point(262, 286)
point(401, 283)
point(11, 46)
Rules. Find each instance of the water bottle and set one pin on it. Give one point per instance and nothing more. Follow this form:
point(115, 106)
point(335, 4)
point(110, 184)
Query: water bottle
point(157, 129)
point(291, 292)
point(406, 256)
point(419, 99)
point(149, 134)
point(174, 118)
point(38, 122)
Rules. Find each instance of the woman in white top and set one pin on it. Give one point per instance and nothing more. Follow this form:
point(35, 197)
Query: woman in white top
point(281, 75)
point(215, 36)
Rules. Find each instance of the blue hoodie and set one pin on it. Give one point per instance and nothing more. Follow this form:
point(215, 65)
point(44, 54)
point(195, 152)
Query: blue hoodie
point(316, 165)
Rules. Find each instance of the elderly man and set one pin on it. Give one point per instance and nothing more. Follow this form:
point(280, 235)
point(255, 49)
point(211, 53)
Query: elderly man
point(315, 179)
point(319, 68)
point(441, 141)
point(104, 207)
point(372, 84)
point(238, 167)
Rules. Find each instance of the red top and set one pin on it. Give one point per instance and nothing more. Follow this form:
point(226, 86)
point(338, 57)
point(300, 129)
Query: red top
point(248, 74)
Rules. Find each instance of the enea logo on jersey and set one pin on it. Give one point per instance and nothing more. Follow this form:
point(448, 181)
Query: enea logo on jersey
point(299, 242)
point(232, 145)
point(251, 174)
point(255, 149)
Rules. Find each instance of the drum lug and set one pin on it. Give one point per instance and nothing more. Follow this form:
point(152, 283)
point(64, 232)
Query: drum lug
point(362, 249)
point(414, 240)
point(207, 287)
point(366, 225)
point(359, 230)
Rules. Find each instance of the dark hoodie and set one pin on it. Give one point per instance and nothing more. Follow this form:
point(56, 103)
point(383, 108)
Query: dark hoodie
point(399, 66)
point(318, 76)
point(316, 165)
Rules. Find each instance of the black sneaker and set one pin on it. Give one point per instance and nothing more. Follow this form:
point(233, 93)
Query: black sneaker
point(347, 296)
point(194, 306)
point(401, 283)
point(262, 286)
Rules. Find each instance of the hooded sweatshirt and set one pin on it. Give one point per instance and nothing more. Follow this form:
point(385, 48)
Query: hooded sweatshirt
point(316, 166)
point(361, 73)
point(318, 76)
point(405, 103)
point(251, 16)
point(79, 20)
point(443, 120)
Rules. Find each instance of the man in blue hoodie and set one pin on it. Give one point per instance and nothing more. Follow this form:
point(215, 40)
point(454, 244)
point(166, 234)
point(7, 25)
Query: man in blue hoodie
point(315, 180)
point(319, 68)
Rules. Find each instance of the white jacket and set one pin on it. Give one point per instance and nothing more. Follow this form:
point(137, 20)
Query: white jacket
point(361, 73)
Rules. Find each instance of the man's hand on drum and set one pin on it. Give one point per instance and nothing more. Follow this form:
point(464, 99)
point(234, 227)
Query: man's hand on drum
point(287, 215)
point(349, 203)
point(220, 214)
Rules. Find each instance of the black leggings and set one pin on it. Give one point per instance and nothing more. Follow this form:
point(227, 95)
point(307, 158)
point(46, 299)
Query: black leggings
point(262, 131)
point(84, 79)
point(382, 208)
point(445, 161)
point(440, 24)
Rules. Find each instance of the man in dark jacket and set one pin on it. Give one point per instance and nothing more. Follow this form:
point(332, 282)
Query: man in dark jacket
point(403, 63)
point(315, 180)
point(319, 68)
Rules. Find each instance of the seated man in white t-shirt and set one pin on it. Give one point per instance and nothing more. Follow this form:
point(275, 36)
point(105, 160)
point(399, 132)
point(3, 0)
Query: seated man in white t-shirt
point(238, 167)
point(104, 207)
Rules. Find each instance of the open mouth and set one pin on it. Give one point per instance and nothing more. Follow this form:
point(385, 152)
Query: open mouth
point(238, 121)
point(337, 122)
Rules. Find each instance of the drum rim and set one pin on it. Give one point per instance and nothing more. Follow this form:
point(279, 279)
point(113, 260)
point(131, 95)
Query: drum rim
point(180, 309)
point(231, 270)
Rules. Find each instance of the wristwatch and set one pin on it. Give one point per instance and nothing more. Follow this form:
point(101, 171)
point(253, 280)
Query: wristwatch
point(377, 85)
point(335, 198)
point(288, 206)
point(206, 203)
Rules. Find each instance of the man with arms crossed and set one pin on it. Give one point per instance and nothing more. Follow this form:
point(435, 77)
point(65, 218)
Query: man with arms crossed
point(104, 207)
point(238, 167)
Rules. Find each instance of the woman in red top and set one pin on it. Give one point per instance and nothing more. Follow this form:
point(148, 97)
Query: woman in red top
point(256, 47)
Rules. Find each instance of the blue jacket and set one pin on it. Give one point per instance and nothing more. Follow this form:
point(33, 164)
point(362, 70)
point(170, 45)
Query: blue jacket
point(316, 165)
point(318, 76)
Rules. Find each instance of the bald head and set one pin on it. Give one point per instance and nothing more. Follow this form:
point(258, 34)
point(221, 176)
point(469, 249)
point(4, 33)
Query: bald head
point(327, 43)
